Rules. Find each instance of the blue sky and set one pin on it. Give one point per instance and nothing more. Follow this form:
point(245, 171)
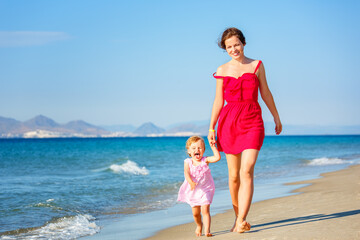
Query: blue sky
point(130, 62)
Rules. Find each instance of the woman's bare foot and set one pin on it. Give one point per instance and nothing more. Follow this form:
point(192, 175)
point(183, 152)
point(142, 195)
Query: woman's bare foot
point(198, 231)
point(248, 226)
point(233, 229)
point(208, 235)
point(242, 227)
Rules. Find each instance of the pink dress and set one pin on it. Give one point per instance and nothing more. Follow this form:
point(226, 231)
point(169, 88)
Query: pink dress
point(240, 124)
point(204, 191)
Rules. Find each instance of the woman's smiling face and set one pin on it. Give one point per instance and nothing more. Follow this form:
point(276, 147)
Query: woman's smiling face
point(234, 47)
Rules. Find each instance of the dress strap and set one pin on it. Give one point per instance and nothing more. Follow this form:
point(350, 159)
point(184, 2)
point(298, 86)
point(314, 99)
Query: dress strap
point(257, 67)
point(217, 76)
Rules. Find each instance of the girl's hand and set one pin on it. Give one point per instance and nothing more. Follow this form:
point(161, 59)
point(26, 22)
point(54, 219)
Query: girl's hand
point(278, 126)
point(211, 138)
point(215, 158)
point(192, 185)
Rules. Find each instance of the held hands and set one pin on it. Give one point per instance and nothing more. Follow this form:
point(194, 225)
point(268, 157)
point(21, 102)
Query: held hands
point(212, 141)
point(211, 138)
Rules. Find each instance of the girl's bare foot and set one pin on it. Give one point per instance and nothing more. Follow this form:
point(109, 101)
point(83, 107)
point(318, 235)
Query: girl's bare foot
point(198, 231)
point(242, 227)
point(208, 235)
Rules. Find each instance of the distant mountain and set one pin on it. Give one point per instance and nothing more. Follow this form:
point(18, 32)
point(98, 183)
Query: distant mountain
point(41, 126)
point(11, 125)
point(148, 129)
point(41, 122)
point(84, 127)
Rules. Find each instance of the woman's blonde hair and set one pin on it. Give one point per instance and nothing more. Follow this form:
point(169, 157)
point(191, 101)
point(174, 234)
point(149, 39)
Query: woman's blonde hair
point(192, 140)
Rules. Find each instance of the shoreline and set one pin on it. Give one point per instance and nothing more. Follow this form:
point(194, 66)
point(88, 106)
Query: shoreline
point(328, 207)
point(156, 221)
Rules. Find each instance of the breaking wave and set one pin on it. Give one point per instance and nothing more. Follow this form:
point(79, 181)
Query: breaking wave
point(327, 161)
point(129, 167)
point(64, 228)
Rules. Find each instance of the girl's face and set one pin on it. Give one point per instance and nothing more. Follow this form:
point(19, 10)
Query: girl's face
point(234, 47)
point(196, 150)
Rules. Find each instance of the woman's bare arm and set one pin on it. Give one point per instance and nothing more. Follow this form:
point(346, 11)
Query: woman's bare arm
point(268, 99)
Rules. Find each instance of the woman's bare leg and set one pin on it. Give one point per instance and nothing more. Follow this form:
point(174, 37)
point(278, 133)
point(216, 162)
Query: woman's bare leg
point(234, 163)
point(246, 189)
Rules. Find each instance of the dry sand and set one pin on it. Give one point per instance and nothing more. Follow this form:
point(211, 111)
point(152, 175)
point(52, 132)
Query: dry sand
point(329, 208)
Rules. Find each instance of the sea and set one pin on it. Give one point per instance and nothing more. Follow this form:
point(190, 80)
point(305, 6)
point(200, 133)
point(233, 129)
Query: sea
point(70, 188)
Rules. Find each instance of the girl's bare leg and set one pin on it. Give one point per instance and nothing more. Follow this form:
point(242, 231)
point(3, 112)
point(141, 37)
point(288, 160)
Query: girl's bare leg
point(234, 163)
point(205, 211)
point(246, 190)
point(197, 218)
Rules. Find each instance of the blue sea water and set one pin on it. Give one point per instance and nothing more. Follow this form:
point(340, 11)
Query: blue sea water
point(69, 188)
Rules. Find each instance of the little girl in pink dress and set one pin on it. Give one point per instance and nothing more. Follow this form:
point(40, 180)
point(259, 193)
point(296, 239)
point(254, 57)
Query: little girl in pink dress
point(198, 188)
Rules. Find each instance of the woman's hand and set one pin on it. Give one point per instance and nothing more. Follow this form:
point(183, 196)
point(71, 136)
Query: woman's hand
point(211, 138)
point(278, 126)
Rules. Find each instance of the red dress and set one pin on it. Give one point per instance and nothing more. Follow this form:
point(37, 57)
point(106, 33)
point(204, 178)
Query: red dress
point(240, 124)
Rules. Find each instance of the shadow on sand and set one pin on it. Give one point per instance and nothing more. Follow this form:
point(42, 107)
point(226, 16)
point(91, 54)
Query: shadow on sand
point(296, 221)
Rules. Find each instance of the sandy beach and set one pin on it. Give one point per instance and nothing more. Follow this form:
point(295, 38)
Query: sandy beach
point(327, 208)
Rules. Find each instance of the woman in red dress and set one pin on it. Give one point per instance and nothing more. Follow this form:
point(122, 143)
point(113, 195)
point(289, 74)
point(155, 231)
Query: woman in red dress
point(240, 130)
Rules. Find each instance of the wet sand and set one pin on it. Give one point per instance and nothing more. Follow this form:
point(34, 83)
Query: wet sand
point(327, 208)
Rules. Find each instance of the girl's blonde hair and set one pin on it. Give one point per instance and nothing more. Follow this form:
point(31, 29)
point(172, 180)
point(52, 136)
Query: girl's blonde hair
point(192, 140)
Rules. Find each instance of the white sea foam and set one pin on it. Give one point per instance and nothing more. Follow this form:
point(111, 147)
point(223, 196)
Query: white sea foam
point(48, 204)
point(63, 229)
point(129, 167)
point(327, 161)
